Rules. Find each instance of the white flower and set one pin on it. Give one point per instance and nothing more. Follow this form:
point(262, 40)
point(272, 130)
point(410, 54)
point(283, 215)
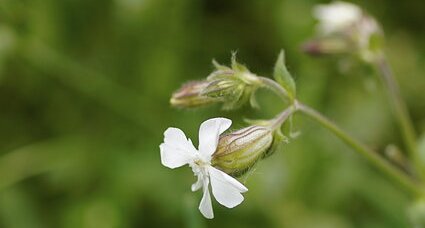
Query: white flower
point(336, 16)
point(346, 27)
point(177, 151)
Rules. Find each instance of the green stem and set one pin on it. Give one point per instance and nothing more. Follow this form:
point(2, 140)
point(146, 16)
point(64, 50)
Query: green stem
point(402, 178)
point(275, 87)
point(399, 107)
point(282, 117)
point(374, 158)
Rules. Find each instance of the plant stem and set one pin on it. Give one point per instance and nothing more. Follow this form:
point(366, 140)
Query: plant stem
point(399, 108)
point(402, 178)
point(283, 116)
point(275, 87)
point(373, 157)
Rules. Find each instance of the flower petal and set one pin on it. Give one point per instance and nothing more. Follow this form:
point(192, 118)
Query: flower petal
point(209, 133)
point(336, 16)
point(197, 185)
point(205, 207)
point(176, 150)
point(226, 190)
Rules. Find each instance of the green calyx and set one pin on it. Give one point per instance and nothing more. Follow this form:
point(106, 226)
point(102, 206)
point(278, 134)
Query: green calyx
point(238, 151)
point(234, 86)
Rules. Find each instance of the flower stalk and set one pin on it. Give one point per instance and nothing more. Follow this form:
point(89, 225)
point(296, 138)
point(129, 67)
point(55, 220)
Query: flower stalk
point(400, 110)
point(274, 87)
point(374, 158)
point(277, 122)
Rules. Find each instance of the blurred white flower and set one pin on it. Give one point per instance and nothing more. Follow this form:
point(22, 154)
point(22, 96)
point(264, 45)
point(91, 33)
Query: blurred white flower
point(336, 16)
point(345, 28)
point(367, 28)
point(177, 151)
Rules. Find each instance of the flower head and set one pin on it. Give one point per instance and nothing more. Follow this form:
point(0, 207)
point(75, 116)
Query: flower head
point(177, 151)
point(336, 16)
point(345, 28)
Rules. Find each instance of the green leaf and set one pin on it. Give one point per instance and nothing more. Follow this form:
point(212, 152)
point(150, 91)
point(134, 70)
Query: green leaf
point(283, 77)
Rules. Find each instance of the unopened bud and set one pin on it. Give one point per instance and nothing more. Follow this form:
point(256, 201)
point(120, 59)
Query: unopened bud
point(223, 87)
point(190, 95)
point(233, 91)
point(235, 85)
point(238, 151)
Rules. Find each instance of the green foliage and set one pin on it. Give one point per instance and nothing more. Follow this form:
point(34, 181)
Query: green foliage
point(283, 77)
point(421, 149)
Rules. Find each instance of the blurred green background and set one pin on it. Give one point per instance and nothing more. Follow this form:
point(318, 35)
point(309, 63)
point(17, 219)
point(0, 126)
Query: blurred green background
point(84, 91)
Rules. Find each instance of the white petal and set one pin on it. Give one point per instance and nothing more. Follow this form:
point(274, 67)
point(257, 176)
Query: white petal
point(197, 185)
point(176, 150)
point(336, 16)
point(205, 207)
point(209, 133)
point(226, 190)
point(175, 137)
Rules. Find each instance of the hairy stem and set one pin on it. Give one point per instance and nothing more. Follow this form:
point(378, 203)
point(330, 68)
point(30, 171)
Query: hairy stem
point(275, 87)
point(283, 116)
point(374, 158)
point(399, 107)
point(370, 155)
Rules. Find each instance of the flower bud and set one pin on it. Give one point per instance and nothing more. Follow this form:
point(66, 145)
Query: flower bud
point(233, 86)
point(223, 86)
point(238, 151)
point(230, 88)
point(190, 95)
